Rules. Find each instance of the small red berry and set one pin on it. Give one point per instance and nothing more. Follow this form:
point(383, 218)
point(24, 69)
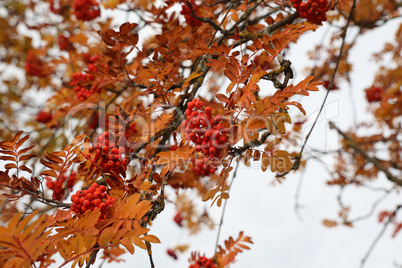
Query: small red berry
point(190, 105)
point(199, 105)
point(86, 203)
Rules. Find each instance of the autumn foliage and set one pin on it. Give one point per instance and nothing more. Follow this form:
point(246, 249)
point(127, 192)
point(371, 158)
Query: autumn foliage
point(168, 101)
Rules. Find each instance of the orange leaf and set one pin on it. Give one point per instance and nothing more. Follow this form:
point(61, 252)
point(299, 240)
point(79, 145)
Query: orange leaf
point(222, 98)
point(151, 239)
point(264, 162)
point(106, 235)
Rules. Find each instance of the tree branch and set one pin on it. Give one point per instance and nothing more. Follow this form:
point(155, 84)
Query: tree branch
point(353, 144)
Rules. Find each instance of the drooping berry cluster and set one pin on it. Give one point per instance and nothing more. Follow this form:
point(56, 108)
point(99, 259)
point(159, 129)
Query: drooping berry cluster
point(59, 7)
point(91, 61)
point(64, 43)
point(312, 10)
point(178, 218)
point(334, 86)
point(81, 81)
point(186, 11)
point(208, 132)
point(203, 167)
point(44, 117)
point(86, 10)
point(34, 66)
point(59, 187)
point(82, 92)
point(373, 94)
point(95, 197)
point(203, 262)
point(172, 253)
point(112, 156)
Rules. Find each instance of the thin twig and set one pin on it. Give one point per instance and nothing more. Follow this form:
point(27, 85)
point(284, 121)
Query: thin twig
point(297, 161)
point(353, 144)
point(224, 207)
point(372, 246)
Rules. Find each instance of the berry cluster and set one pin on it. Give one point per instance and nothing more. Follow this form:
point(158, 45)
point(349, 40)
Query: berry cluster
point(172, 254)
point(312, 10)
point(203, 262)
point(83, 92)
point(81, 81)
point(60, 7)
point(91, 61)
point(64, 43)
point(207, 131)
point(373, 94)
point(203, 166)
point(34, 66)
point(178, 218)
point(334, 86)
point(86, 10)
point(44, 117)
point(58, 185)
point(95, 197)
point(112, 156)
point(186, 11)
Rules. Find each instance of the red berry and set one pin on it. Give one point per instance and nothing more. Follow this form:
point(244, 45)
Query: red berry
point(192, 136)
point(213, 151)
point(102, 188)
point(89, 196)
point(86, 203)
point(96, 202)
point(199, 105)
point(96, 194)
point(91, 189)
point(190, 105)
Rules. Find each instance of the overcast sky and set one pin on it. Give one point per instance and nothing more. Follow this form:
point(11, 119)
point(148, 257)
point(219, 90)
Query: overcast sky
point(267, 213)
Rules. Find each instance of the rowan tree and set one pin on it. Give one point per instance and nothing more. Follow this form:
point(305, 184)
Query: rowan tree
point(108, 104)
